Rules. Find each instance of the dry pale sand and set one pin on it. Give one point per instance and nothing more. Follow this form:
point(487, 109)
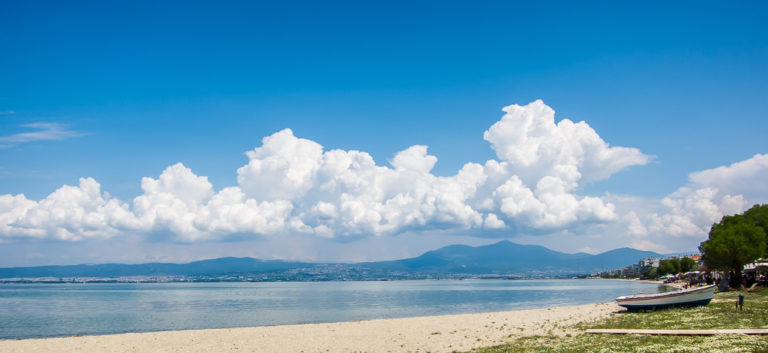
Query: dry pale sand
point(423, 334)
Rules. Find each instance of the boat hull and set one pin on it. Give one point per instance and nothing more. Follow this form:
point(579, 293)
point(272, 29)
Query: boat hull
point(691, 297)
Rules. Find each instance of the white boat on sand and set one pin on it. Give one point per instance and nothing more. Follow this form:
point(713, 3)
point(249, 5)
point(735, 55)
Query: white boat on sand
point(685, 297)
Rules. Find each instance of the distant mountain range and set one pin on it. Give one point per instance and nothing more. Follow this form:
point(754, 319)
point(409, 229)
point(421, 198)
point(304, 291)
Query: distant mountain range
point(506, 257)
point(503, 258)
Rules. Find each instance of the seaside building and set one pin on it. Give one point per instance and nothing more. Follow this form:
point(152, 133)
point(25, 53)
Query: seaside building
point(644, 266)
point(757, 271)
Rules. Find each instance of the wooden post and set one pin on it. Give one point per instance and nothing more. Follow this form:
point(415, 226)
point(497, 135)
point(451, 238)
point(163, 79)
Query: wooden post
point(740, 304)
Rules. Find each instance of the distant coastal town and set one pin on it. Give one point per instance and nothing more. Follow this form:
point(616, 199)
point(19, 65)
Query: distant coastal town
point(689, 267)
point(654, 268)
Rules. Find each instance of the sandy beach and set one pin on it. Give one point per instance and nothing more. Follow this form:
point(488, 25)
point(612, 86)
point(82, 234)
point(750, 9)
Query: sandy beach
point(423, 334)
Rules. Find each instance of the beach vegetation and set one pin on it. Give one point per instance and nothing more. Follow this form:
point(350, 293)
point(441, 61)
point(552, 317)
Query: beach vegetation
point(721, 313)
point(669, 266)
point(734, 242)
point(652, 272)
point(758, 214)
point(687, 264)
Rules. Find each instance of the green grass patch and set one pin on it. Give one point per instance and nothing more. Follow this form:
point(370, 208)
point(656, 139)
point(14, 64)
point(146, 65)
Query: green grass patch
point(721, 313)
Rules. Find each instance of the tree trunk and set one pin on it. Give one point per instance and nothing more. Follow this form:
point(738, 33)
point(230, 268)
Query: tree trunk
point(736, 280)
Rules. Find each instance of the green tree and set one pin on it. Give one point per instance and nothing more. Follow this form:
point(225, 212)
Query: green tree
point(651, 273)
point(687, 264)
point(666, 267)
point(733, 242)
point(758, 214)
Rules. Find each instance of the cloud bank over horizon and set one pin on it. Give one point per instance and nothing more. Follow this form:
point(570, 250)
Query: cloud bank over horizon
point(292, 185)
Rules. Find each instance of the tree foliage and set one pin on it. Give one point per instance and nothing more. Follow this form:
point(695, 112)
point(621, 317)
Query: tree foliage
point(669, 266)
point(687, 264)
point(651, 273)
point(758, 214)
point(736, 241)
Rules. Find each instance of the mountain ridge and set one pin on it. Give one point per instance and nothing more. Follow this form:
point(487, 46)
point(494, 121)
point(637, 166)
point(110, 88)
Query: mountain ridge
point(501, 258)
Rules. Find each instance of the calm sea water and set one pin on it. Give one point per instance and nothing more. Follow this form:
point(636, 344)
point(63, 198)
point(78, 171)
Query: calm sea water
point(45, 310)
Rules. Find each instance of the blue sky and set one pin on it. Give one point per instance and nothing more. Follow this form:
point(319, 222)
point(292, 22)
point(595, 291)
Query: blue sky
point(119, 91)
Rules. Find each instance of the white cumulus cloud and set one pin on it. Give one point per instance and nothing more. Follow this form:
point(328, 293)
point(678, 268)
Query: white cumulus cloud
point(542, 163)
point(69, 213)
point(294, 185)
point(747, 177)
point(282, 168)
point(710, 194)
point(534, 146)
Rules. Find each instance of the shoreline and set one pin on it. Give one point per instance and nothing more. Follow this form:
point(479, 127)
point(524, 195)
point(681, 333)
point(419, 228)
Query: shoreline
point(444, 333)
point(676, 285)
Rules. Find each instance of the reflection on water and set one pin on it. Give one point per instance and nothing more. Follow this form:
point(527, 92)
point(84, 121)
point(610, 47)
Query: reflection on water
point(41, 310)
